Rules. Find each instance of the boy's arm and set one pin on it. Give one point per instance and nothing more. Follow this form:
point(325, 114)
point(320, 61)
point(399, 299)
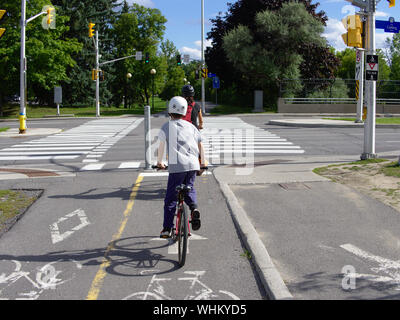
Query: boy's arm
point(160, 154)
point(202, 157)
point(200, 119)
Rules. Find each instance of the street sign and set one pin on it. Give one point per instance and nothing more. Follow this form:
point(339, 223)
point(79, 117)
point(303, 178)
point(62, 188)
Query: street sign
point(139, 55)
point(372, 67)
point(215, 81)
point(186, 58)
point(389, 26)
point(57, 95)
point(211, 75)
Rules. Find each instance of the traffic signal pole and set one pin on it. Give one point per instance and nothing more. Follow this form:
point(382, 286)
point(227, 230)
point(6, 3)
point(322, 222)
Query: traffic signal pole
point(370, 89)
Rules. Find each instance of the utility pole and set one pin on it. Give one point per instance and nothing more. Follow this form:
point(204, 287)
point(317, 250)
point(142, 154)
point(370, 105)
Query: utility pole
point(203, 90)
point(47, 23)
point(22, 79)
point(97, 76)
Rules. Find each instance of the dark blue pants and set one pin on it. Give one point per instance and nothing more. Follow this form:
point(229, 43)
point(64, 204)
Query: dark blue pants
point(174, 180)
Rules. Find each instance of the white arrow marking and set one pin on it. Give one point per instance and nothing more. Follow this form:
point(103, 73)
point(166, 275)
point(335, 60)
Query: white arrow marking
point(387, 266)
point(173, 245)
point(56, 236)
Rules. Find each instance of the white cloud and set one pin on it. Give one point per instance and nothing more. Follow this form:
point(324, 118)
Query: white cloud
point(334, 30)
point(381, 14)
point(195, 53)
point(333, 33)
point(145, 3)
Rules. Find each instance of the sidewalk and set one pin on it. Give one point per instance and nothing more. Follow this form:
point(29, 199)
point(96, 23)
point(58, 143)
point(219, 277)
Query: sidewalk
point(303, 231)
point(312, 122)
point(14, 132)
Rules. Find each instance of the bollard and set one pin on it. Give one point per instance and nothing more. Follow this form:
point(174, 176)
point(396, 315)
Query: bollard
point(147, 138)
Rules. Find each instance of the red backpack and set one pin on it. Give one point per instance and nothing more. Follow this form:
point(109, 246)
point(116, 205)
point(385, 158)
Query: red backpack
point(188, 116)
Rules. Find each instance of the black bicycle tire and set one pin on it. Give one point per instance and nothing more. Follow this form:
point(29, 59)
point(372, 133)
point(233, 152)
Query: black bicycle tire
point(182, 237)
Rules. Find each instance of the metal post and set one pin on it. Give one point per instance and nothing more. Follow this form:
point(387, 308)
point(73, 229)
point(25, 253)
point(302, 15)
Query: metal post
point(370, 91)
point(203, 91)
point(22, 86)
point(152, 98)
point(360, 79)
point(147, 138)
point(97, 76)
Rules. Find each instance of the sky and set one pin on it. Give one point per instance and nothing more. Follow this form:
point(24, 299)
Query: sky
point(184, 20)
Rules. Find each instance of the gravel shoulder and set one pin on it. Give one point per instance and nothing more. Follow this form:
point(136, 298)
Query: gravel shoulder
point(377, 178)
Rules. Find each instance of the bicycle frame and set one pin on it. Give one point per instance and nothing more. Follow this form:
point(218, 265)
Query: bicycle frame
point(178, 213)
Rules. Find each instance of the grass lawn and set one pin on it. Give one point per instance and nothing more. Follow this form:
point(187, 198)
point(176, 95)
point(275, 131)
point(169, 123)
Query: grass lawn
point(13, 203)
point(389, 120)
point(34, 111)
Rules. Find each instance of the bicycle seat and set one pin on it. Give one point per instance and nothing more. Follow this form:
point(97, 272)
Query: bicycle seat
point(183, 188)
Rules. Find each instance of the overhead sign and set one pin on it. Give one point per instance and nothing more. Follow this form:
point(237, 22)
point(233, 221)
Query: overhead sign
point(215, 81)
point(372, 67)
point(389, 26)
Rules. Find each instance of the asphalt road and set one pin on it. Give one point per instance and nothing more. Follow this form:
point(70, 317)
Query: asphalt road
point(95, 235)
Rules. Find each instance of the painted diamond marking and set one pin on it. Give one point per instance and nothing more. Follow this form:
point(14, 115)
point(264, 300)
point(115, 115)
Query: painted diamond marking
point(56, 236)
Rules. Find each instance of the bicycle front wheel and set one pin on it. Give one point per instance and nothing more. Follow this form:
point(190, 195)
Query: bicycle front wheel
point(182, 236)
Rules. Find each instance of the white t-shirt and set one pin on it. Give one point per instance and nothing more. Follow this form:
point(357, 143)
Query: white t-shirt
point(182, 139)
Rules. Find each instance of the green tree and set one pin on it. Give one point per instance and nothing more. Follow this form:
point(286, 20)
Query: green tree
point(80, 89)
point(48, 52)
point(139, 29)
point(267, 53)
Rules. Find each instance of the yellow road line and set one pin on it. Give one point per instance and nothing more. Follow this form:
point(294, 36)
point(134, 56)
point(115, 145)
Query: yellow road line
point(101, 274)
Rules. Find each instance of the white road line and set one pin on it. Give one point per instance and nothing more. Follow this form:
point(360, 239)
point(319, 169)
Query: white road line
point(38, 157)
point(129, 165)
point(93, 166)
point(52, 148)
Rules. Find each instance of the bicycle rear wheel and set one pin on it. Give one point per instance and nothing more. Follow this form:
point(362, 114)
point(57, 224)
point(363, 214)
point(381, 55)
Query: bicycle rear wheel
point(182, 236)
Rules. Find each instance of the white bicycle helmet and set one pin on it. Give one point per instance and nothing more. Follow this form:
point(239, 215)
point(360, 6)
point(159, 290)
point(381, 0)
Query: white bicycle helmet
point(178, 105)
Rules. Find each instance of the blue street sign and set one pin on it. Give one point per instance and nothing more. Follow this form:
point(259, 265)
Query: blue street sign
point(215, 82)
point(211, 75)
point(388, 26)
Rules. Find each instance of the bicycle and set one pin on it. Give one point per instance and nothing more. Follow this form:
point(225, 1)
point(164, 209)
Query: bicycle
point(181, 231)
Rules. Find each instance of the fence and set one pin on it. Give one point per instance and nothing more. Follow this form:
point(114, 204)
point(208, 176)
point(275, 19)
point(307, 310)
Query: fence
point(333, 96)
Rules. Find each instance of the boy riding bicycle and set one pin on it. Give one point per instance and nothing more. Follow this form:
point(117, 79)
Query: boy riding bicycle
point(184, 150)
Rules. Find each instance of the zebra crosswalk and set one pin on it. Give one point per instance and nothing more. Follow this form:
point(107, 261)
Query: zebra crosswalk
point(90, 140)
point(227, 139)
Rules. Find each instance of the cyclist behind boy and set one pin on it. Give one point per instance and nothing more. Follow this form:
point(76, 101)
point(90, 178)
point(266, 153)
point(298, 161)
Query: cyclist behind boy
point(193, 114)
point(184, 148)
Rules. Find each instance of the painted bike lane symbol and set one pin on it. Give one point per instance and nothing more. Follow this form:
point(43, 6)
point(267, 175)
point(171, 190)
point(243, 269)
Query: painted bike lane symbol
point(198, 290)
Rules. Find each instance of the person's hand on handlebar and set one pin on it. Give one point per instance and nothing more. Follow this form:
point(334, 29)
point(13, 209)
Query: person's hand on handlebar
point(161, 165)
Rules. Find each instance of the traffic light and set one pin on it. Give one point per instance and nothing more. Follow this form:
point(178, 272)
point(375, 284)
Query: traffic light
point(147, 58)
point(91, 31)
point(94, 74)
point(178, 60)
point(2, 30)
point(354, 26)
point(204, 72)
point(50, 17)
point(391, 3)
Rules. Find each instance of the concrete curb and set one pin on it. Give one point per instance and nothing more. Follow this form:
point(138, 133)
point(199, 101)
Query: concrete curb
point(269, 275)
point(300, 123)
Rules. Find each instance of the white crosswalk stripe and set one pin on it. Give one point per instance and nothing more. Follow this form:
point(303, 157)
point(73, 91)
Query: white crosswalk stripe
point(91, 139)
point(225, 138)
